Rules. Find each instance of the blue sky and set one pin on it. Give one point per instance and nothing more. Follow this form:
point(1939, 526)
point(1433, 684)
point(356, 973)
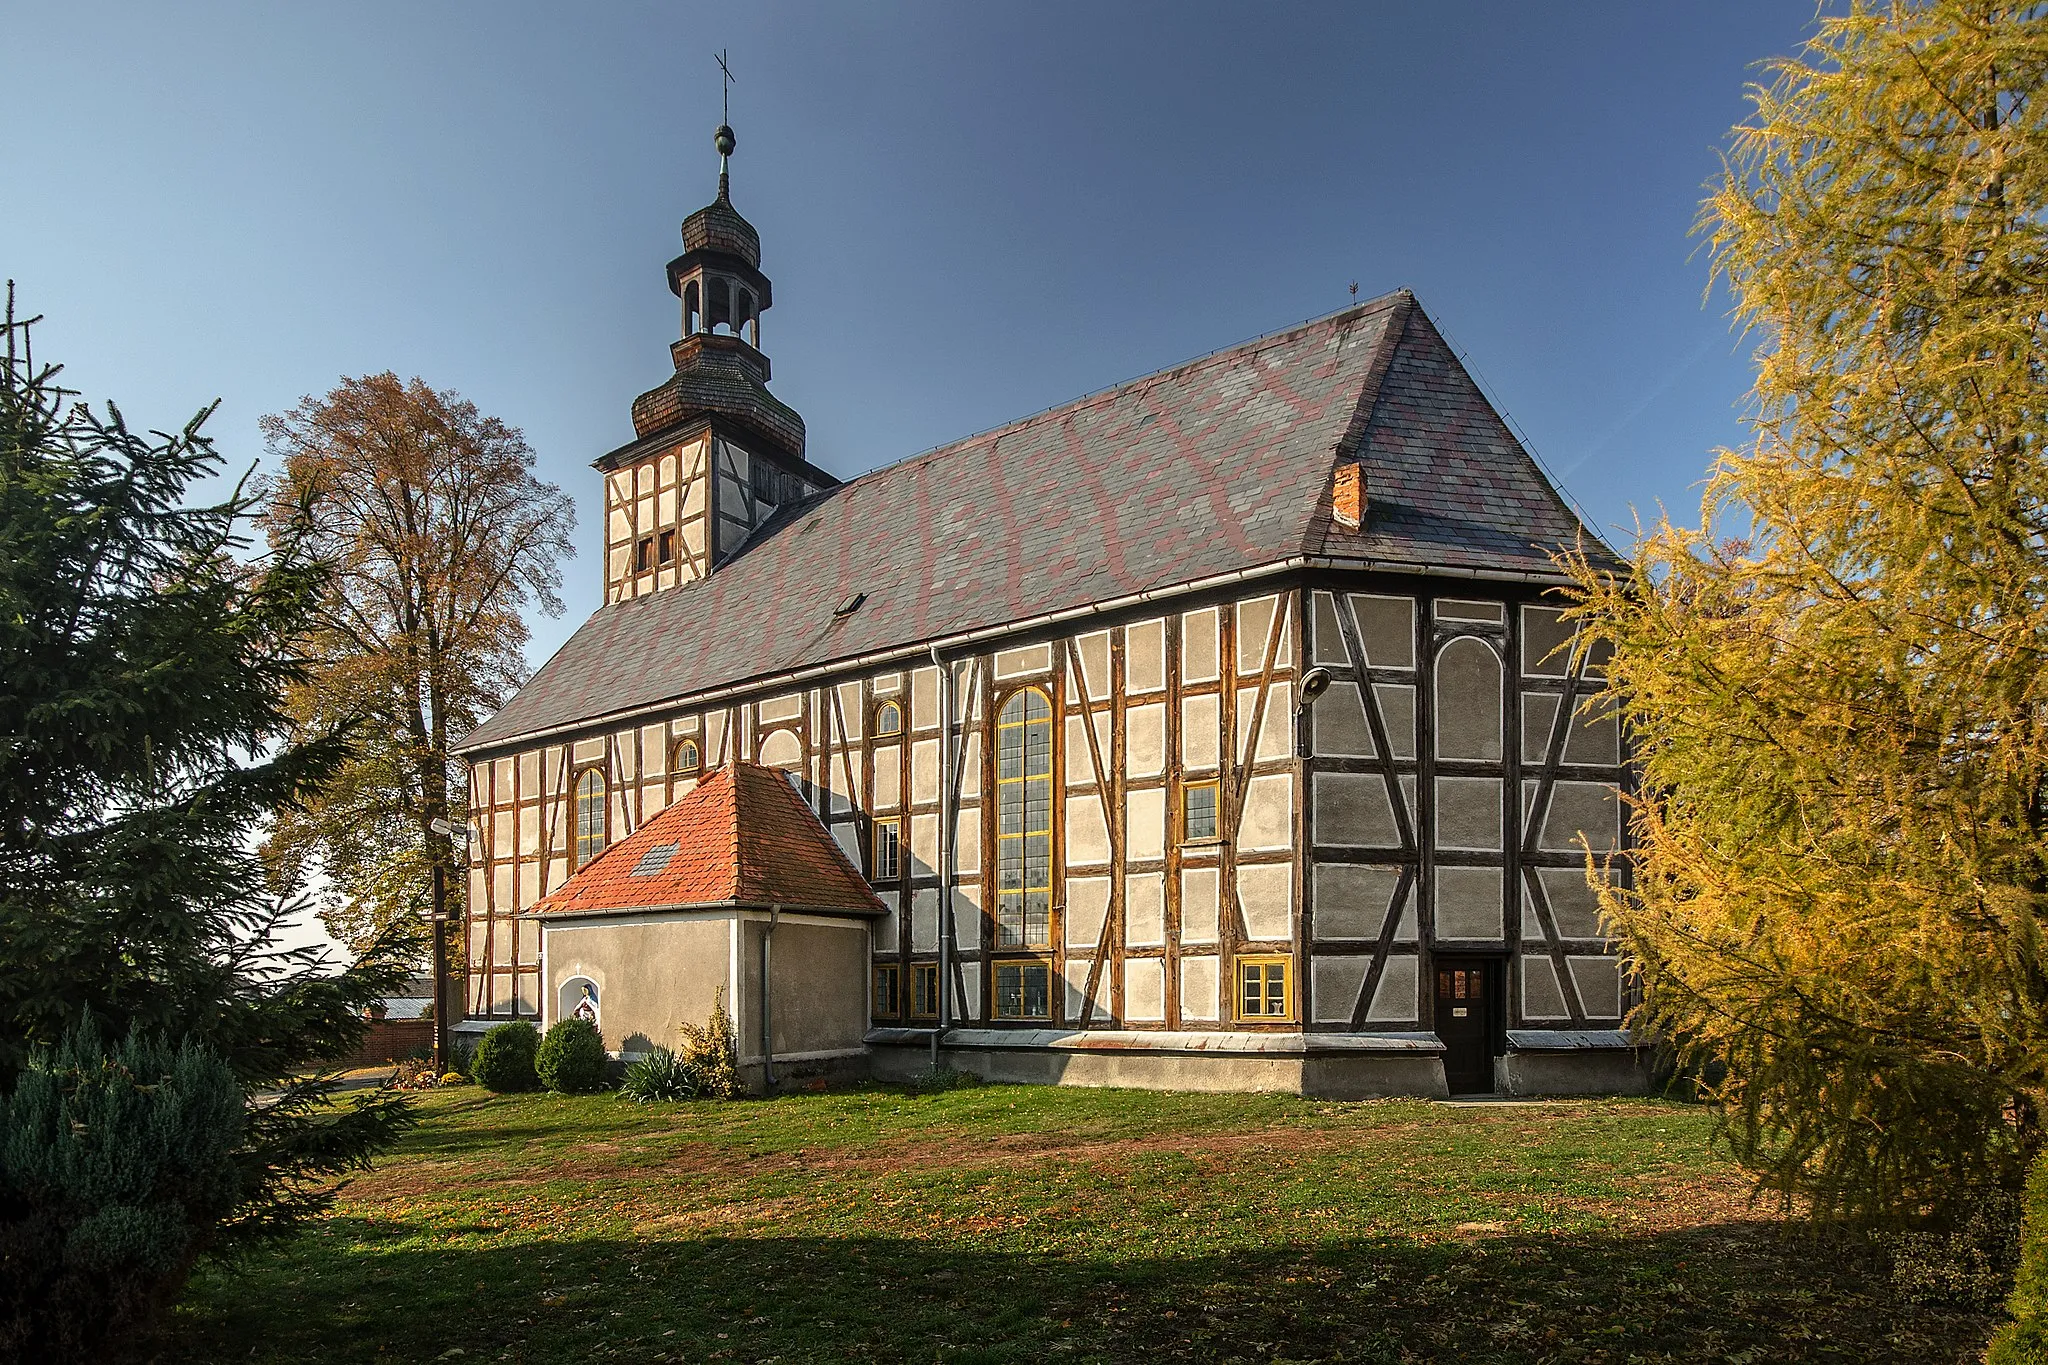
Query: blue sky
point(970, 212)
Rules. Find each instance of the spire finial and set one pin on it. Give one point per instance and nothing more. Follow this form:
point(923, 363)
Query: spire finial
point(723, 139)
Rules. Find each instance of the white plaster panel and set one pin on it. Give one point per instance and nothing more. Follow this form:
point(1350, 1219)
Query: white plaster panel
point(1075, 974)
point(1386, 629)
point(847, 717)
point(529, 829)
point(1021, 663)
point(1394, 1001)
point(1542, 996)
point(1145, 909)
point(1145, 832)
point(847, 836)
point(1145, 741)
point(1093, 649)
point(1087, 908)
point(888, 777)
point(970, 772)
point(967, 841)
point(924, 845)
point(1353, 808)
point(1144, 989)
point(1337, 722)
point(1468, 903)
point(924, 920)
point(1334, 983)
point(924, 770)
point(1397, 713)
point(1352, 900)
point(1595, 734)
point(1145, 657)
point(789, 706)
point(1539, 714)
point(1087, 832)
point(782, 749)
point(970, 990)
point(1200, 725)
point(1254, 625)
point(1574, 904)
point(1589, 808)
point(1198, 989)
point(967, 916)
point(924, 698)
point(1265, 892)
point(887, 684)
point(887, 929)
point(1326, 638)
point(843, 775)
point(1198, 638)
point(1599, 983)
point(1468, 813)
point(1267, 821)
point(1453, 609)
point(1200, 898)
point(1275, 721)
point(1546, 643)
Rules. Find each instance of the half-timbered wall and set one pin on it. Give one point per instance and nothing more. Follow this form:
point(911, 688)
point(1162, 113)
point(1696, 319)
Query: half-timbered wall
point(670, 517)
point(1396, 780)
point(1457, 768)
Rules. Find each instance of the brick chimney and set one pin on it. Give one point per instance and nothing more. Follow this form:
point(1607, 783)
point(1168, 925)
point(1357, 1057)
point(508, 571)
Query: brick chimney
point(1347, 496)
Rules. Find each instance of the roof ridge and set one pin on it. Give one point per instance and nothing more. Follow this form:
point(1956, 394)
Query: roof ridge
point(1236, 350)
point(1316, 529)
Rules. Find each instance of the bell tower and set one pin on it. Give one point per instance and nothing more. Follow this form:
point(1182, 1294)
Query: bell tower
point(717, 455)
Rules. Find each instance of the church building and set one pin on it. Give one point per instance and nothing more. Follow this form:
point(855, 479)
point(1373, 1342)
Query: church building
point(1219, 730)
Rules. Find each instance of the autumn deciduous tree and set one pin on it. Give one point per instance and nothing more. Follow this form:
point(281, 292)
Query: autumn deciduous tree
point(439, 534)
point(1838, 682)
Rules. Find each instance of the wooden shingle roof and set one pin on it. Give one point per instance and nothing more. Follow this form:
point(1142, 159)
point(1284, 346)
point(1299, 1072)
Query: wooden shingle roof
point(741, 837)
point(1219, 465)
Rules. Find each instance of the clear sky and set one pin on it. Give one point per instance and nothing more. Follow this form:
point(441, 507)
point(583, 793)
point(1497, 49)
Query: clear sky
point(970, 212)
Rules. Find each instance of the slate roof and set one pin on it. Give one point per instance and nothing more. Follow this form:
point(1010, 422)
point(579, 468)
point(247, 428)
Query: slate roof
point(1220, 464)
point(741, 836)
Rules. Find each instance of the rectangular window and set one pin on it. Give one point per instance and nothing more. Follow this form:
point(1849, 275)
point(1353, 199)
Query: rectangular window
point(924, 990)
point(1198, 813)
point(1023, 990)
point(888, 850)
point(1262, 988)
point(643, 555)
point(888, 991)
point(667, 551)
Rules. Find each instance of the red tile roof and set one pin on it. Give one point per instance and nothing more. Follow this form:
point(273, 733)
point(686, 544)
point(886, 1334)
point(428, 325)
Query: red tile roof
point(742, 836)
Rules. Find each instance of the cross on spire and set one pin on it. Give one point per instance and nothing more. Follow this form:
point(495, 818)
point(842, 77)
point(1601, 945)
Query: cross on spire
point(719, 57)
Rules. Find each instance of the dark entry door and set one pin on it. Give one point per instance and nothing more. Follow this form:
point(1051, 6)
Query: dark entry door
point(1465, 992)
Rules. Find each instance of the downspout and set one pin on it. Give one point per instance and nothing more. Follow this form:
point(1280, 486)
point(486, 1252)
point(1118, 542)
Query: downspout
point(946, 870)
point(767, 1006)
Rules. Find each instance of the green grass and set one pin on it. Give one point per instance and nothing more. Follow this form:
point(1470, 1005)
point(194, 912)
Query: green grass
point(1014, 1224)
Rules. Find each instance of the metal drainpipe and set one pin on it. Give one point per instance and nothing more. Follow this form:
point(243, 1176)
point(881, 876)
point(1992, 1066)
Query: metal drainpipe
point(767, 1005)
point(946, 870)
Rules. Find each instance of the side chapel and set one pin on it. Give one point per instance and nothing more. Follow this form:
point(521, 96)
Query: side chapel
point(1219, 730)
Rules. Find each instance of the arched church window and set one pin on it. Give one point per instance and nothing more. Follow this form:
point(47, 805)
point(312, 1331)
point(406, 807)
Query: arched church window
point(687, 759)
point(1024, 821)
point(888, 720)
point(593, 819)
point(693, 309)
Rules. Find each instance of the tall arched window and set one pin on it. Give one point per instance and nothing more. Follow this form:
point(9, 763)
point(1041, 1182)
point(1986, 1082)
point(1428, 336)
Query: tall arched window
point(1024, 821)
point(593, 821)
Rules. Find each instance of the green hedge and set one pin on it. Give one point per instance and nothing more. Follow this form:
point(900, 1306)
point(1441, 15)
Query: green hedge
point(2024, 1340)
point(504, 1058)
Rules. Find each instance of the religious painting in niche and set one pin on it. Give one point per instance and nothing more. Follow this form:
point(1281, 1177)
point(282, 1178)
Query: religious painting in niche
point(592, 817)
point(579, 1000)
point(1024, 821)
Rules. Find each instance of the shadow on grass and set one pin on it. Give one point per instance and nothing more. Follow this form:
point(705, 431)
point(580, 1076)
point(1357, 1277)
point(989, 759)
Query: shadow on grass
point(359, 1291)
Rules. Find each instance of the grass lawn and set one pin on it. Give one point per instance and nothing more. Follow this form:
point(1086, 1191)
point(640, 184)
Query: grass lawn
point(1001, 1224)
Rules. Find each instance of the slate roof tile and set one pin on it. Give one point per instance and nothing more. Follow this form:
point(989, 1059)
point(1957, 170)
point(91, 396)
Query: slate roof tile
point(1217, 465)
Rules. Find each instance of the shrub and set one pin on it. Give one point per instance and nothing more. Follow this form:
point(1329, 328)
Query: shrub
point(1967, 1261)
point(571, 1058)
point(117, 1167)
point(2024, 1340)
point(504, 1058)
point(712, 1054)
point(660, 1075)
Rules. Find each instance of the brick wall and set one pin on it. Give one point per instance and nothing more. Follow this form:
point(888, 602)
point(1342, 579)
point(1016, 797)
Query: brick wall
point(390, 1039)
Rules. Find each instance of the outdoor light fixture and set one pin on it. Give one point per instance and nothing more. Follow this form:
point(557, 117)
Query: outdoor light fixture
point(1314, 683)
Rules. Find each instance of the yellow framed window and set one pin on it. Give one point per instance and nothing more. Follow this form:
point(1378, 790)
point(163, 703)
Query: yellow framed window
point(1023, 990)
point(1198, 806)
point(924, 990)
point(1265, 987)
point(888, 990)
point(593, 819)
point(688, 758)
point(1024, 821)
point(888, 862)
point(888, 720)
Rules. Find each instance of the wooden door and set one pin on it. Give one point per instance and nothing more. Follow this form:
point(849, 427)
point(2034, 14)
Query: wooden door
point(1465, 992)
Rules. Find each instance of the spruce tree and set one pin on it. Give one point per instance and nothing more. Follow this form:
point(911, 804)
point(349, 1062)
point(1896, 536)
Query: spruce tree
point(144, 748)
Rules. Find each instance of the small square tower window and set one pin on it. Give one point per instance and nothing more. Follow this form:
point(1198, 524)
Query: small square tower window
point(1198, 813)
point(924, 990)
point(888, 864)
